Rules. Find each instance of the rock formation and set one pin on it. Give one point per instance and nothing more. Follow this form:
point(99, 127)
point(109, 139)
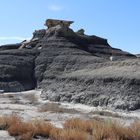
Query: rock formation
point(29, 43)
point(10, 46)
point(81, 32)
point(53, 22)
point(72, 67)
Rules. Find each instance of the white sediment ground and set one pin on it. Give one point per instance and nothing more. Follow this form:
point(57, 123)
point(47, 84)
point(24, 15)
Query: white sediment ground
point(26, 105)
point(5, 136)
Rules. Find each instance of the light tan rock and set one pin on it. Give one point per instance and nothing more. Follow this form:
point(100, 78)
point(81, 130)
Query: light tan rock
point(28, 42)
point(53, 22)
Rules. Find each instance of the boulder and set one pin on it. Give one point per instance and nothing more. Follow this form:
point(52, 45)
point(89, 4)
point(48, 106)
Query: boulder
point(80, 32)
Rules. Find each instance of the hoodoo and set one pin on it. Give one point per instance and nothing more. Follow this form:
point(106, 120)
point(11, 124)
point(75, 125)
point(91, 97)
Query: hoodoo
point(53, 22)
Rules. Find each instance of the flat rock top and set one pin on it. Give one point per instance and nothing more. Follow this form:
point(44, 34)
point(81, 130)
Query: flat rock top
point(56, 20)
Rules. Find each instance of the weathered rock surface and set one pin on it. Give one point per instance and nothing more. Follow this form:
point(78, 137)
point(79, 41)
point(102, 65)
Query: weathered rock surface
point(73, 67)
point(54, 22)
point(10, 46)
point(17, 70)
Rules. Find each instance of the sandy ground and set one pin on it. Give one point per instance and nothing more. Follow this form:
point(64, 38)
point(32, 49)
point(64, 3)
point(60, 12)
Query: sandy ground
point(5, 136)
point(29, 106)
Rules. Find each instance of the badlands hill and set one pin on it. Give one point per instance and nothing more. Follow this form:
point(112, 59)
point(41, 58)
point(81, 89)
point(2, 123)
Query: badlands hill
point(72, 67)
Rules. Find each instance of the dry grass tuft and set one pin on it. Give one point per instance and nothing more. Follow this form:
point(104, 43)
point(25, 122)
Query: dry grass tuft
point(26, 136)
point(3, 124)
point(74, 129)
point(55, 133)
point(6, 122)
point(30, 130)
point(68, 134)
point(20, 128)
point(111, 131)
point(78, 124)
point(135, 129)
point(101, 130)
point(16, 127)
point(42, 128)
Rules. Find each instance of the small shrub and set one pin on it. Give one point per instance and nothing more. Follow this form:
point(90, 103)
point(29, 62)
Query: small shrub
point(11, 120)
point(78, 124)
point(26, 136)
point(3, 124)
point(55, 133)
point(68, 134)
point(42, 128)
point(134, 129)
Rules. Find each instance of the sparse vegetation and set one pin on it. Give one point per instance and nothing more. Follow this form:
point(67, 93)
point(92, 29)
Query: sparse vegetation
point(31, 98)
point(55, 107)
point(16, 127)
point(68, 134)
point(74, 129)
point(7, 96)
point(106, 113)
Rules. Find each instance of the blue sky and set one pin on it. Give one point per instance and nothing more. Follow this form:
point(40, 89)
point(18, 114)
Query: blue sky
point(116, 20)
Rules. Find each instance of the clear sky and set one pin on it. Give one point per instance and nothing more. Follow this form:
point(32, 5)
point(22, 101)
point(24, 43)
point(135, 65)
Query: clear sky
point(116, 20)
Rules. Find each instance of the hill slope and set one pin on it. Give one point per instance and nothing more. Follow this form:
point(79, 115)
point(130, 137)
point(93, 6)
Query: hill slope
point(72, 67)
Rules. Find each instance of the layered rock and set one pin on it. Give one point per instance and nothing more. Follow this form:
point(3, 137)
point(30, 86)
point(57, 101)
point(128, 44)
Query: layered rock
point(10, 46)
point(73, 67)
point(17, 70)
point(54, 22)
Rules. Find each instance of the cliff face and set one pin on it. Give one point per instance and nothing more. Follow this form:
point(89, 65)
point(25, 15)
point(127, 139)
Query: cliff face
point(73, 67)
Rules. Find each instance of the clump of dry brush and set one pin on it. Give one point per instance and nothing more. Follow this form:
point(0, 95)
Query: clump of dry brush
point(73, 129)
